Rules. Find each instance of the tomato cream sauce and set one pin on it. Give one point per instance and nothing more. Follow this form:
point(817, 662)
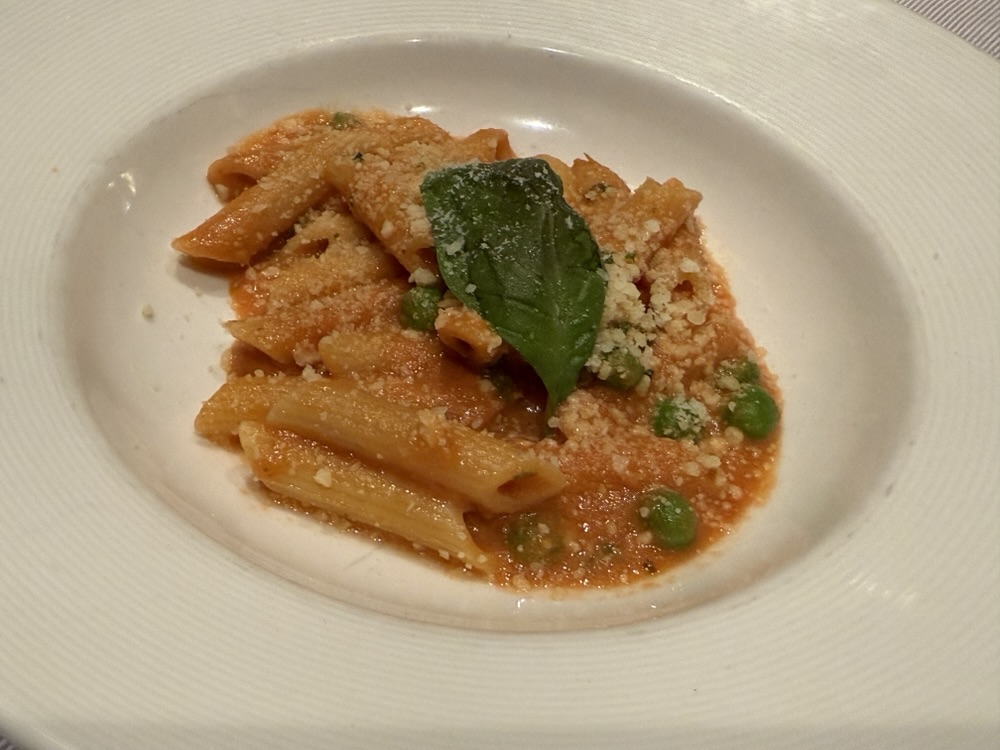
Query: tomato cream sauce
point(670, 343)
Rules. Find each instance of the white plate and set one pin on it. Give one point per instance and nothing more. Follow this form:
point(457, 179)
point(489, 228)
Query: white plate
point(849, 161)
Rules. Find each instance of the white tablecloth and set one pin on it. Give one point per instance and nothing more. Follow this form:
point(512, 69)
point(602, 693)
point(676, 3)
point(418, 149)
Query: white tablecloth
point(976, 21)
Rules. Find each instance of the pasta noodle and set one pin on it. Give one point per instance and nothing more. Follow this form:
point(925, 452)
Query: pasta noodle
point(254, 219)
point(348, 353)
point(259, 154)
point(367, 386)
point(292, 333)
point(244, 399)
point(496, 475)
point(466, 333)
point(299, 469)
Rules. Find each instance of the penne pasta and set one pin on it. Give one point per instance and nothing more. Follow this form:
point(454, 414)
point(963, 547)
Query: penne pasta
point(363, 382)
point(339, 268)
point(253, 220)
point(653, 213)
point(450, 388)
point(347, 353)
point(463, 331)
point(593, 189)
point(291, 335)
point(242, 360)
point(381, 173)
point(488, 144)
point(414, 370)
point(498, 476)
point(238, 400)
point(669, 203)
point(316, 476)
point(345, 245)
point(259, 153)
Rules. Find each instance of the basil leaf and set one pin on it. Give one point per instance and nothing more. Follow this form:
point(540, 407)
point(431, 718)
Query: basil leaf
point(511, 248)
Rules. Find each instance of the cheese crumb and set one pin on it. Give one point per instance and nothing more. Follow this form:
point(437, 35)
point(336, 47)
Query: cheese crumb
point(423, 277)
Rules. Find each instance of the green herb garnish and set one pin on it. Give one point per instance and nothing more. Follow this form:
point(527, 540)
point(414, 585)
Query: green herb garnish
point(510, 247)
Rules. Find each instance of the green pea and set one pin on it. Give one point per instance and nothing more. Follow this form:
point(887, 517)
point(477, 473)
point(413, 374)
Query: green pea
point(679, 418)
point(344, 121)
point(531, 538)
point(743, 371)
point(669, 517)
point(419, 308)
point(626, 369)
point(752, 410)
